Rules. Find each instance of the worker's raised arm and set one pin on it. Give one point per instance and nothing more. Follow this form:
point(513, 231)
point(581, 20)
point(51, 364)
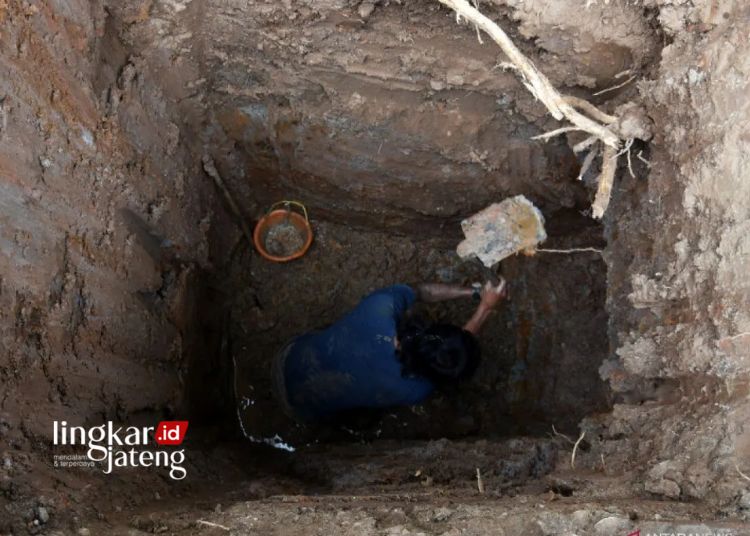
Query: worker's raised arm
point(491, 296)
point(435, 292)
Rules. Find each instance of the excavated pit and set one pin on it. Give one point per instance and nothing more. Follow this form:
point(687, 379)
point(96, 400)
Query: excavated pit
point(524, 384)
point(129, 293)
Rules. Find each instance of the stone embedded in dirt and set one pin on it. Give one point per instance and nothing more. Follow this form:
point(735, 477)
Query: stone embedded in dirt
point(400, 530)
point(612, 525)
point(501, 230)
point(283, 240)
point(661, 480)
point(442, 514)
point(365, 9)
point(663, 486)
point(42, 514)
point(581, 518)
point(437, 85)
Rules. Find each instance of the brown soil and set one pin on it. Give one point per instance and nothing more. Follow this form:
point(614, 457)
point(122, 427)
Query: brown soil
point(128, 293)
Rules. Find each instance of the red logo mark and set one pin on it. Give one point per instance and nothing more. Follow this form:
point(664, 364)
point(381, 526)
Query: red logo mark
point(636, 533)
point(171, 432)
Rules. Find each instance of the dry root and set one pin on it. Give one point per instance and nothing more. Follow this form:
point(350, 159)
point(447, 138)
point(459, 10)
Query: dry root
point(534, 80)
point(210, 168)
point(587, 162)
point(553, 133)
point(558, 434)
point(213, 525)
point(480, 482)
point(606, 179)
point(571, 250)
point(610, 130)
point(743, 475)
point(575, 449)
point(590, 109)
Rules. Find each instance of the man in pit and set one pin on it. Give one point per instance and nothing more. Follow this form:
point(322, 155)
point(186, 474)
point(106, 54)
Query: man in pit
point(381, 355)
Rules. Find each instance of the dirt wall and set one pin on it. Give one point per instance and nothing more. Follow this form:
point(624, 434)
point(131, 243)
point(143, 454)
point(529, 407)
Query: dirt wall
point(105, 222)
point(678, 288)
point(380, 114)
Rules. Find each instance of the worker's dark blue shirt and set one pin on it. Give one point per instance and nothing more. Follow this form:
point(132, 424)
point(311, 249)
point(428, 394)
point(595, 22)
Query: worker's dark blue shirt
point(353, 363)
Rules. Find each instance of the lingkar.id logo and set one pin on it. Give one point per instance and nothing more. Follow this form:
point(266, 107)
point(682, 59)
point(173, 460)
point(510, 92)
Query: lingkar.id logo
point(122, 446)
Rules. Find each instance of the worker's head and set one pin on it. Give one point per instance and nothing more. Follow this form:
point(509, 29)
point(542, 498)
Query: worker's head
point(442, 353)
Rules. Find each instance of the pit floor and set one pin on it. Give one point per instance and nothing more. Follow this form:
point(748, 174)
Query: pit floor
point(541, 350)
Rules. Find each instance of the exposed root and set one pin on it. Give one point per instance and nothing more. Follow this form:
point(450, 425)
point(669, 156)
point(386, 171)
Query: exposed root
point(630, 163)
point(558, 434)
point(642, 159)
point(575, 449)
point(626, 151)
point(506, 66)
point(553, 133)
point(608, 129)
point(743, 334)
point(590, 109)
point(606, 179)
point(585, 144)
point(534, 80)
point(743, 475)
point(212, 524)
point(623, 73)
point(480, 482)
point(618, 86)
point(571, 250)
point(210, 168)
point(587, 162)
point(479, 34)
point(581, 114)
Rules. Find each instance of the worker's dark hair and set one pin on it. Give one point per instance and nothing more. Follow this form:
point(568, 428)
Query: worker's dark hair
point(443, 353)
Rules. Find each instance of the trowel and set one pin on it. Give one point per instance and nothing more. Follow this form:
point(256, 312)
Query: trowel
point(511, 226)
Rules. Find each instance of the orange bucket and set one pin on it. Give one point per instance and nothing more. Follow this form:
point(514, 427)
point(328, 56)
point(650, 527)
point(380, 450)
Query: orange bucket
point(283, 235)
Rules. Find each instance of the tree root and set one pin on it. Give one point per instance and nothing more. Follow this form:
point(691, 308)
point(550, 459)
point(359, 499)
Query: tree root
point(606, 179)
point(601, 127)
point(588, 161)
point(571, 250)
point(590, 109)
point(553, 133)
point(575, 449)
point(534, 80)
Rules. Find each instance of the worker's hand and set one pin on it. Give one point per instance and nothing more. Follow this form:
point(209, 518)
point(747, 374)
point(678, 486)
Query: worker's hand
point(492, 295)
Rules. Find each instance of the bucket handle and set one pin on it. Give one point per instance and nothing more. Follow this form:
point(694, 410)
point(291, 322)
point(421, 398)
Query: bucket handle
point(288, 203)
